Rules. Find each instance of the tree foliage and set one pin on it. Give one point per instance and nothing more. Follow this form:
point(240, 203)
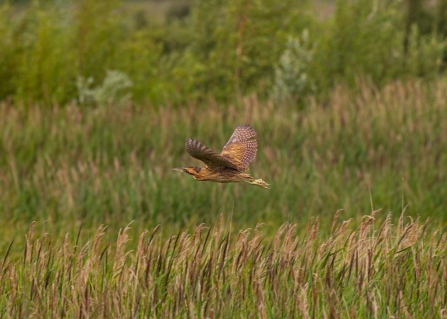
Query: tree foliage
point(216, 48)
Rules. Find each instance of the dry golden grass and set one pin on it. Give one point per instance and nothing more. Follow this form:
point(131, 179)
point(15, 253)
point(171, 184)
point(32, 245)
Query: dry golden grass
point(374, 270)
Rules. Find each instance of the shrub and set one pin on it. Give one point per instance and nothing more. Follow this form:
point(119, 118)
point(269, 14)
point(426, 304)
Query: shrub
point(113, 89)
point(221, 49)
point(291, 74)
point(236, 44)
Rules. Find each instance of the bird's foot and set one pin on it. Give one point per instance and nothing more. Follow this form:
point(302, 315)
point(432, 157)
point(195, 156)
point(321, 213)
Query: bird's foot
point(261, 183)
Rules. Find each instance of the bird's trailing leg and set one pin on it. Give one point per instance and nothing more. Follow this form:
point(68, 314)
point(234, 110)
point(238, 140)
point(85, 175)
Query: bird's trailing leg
point(250, 180)
point(260, 182)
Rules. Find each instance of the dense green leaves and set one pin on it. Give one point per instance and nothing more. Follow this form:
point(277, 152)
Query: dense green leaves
point(222, 49)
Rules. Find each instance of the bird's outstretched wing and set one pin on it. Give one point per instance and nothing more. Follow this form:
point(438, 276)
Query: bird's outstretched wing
point(207, 155)
point(241, 147)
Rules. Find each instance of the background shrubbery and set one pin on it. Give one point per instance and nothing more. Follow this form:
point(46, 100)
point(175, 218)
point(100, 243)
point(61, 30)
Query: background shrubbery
point(222, 49)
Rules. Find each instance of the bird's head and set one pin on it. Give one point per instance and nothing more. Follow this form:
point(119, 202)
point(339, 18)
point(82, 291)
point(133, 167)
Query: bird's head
point(193, 171)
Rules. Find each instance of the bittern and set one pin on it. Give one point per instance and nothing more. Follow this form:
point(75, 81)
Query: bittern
point(232, 162)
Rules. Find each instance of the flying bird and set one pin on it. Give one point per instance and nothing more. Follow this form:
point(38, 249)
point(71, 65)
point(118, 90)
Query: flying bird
point(228, 166)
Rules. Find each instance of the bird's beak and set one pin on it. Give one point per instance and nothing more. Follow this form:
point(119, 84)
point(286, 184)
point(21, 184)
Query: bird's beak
point(178, 169)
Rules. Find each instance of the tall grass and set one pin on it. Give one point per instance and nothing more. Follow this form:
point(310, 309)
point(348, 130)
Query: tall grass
point(112, 165)
point(374, 270)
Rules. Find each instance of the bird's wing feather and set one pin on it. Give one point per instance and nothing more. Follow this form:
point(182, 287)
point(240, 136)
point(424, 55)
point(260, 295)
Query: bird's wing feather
point(241, 148)
point(207, 155)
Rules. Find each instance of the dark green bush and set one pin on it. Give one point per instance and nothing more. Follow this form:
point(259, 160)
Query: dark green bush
point(218, 48)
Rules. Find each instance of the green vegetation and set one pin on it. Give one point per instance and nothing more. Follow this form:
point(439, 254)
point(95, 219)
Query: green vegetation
point(221, 49)
point(98, 97)
point(374, 271)
point(113, 165)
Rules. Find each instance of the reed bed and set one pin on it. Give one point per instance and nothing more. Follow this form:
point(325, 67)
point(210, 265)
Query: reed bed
point(112, 164)
point(373, 270)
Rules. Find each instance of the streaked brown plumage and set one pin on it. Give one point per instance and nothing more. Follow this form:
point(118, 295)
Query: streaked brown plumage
point(228, 166)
